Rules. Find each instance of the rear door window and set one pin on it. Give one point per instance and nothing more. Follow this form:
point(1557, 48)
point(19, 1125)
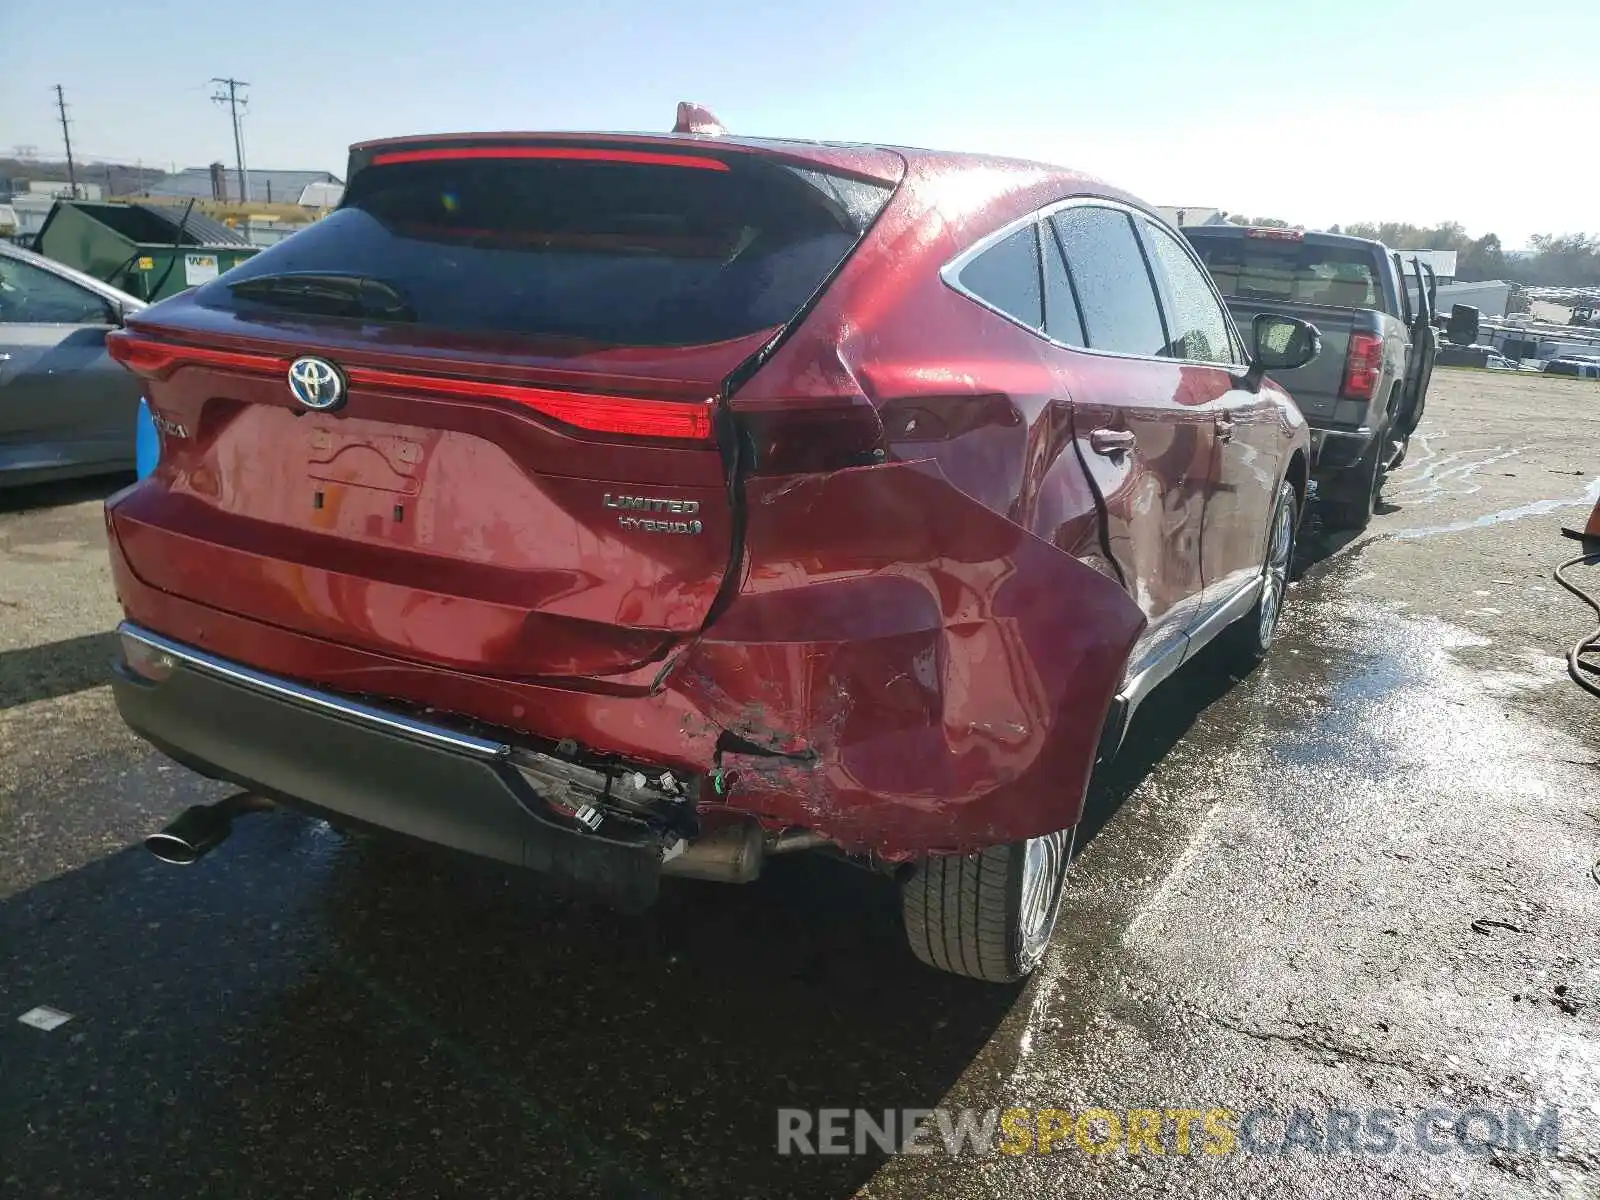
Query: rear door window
point(1006, 276)
point(1118, 299)
point(1196, 322)
point(609, 252)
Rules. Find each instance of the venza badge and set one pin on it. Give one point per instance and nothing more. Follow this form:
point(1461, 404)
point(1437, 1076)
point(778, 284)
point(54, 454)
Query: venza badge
point(316, 383)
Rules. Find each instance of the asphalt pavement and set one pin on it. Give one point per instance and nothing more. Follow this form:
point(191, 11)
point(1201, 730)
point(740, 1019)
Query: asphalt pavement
point(1357, 885)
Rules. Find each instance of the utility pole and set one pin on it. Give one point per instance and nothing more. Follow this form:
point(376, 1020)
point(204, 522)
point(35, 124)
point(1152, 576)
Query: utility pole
point(66, 133)
point(235, 101)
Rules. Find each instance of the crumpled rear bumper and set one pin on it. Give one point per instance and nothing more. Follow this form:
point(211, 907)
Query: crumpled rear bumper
point(346, 759)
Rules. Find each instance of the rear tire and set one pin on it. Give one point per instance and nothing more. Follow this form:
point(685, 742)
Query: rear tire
point(1247, 640)
point(987, 915)
point(1347, 500)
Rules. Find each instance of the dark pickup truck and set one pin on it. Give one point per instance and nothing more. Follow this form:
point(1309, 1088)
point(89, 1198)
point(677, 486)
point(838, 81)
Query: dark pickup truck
point(1363, 396)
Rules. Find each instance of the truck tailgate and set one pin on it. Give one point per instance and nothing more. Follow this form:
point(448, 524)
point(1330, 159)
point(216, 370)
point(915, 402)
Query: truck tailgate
point(1315, 386)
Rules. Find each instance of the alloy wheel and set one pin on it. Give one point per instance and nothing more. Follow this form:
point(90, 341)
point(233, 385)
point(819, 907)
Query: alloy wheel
point(1044, 865)
point(1275, 571)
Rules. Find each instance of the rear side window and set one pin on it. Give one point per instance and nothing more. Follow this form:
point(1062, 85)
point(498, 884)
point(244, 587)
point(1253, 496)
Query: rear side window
point(1006, 275)
point(617, 253)
point(1120, 312)
point(1195, 321)
point(1291, 272)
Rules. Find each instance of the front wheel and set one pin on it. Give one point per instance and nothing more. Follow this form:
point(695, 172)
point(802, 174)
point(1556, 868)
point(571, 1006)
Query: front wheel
point(987, 915)
point(1249, 638)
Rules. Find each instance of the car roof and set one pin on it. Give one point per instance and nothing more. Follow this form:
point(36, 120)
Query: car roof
point(129, 302)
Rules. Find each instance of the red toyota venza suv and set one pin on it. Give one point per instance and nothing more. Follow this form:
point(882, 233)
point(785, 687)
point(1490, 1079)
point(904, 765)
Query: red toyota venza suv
point(629, 505)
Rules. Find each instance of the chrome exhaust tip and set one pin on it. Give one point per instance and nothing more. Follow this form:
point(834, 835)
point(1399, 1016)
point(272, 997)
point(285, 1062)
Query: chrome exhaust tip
point(199, 830)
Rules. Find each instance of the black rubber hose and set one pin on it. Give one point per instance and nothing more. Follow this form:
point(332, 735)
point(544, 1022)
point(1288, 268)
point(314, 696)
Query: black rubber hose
point(177, 247)
point(1576, 666)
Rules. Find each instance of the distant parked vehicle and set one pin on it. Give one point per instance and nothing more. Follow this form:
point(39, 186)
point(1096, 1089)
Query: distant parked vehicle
point(1579, 366)
point(1474, 356)
point(65, 408)
point(1364, 394)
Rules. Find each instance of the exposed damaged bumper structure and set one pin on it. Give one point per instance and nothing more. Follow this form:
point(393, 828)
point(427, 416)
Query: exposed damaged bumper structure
point(612, 828)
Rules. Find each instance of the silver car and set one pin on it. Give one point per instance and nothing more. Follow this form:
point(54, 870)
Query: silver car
point(65, 408)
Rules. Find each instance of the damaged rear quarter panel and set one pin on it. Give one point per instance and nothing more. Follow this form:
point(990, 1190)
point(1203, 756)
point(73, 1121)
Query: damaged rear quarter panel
point(939, 684)
point(922, 652)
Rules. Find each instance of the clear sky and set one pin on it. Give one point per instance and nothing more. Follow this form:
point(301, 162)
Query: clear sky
point(1345, 110)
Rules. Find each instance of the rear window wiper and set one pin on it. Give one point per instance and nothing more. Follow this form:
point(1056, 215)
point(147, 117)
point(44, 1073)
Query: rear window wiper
point(327, 294)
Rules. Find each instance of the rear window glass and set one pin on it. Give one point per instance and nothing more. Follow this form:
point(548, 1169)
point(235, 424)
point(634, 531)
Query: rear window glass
point(1292, 272)
point(615, 253)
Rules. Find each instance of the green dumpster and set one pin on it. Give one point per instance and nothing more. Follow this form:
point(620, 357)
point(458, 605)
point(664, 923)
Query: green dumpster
point(151, 251)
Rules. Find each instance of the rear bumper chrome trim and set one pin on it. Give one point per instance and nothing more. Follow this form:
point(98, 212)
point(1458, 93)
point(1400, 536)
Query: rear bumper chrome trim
point(348, 710)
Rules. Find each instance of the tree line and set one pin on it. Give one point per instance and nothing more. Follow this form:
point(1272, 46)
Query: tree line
point(1558, 260)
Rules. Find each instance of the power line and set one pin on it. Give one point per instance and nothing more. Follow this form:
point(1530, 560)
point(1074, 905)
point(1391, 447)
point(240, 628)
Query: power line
point(235, 101)
point(66, 133)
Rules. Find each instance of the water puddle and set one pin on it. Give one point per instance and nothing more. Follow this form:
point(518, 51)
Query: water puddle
point(1538, 508)
point(1450, 476)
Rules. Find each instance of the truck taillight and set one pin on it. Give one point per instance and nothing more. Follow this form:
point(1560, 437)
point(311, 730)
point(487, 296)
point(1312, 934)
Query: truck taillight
point(1363, 363)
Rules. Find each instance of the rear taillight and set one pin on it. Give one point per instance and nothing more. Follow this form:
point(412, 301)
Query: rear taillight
point(1276, 235)
point(1363, 363)
point(152, 359)
point(632, 416)
point(629, 416)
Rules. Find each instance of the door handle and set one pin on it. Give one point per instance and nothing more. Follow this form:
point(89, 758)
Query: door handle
point(1224, 429)
point(1111, 441)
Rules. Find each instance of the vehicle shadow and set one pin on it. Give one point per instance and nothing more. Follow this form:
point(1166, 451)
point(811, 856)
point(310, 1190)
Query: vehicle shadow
point(1316, 542)
point(307, 1014)
point(60, 493)
point(55, 668)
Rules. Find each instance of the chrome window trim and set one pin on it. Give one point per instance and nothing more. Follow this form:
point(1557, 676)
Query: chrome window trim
point(350, 710)
point(950, 274)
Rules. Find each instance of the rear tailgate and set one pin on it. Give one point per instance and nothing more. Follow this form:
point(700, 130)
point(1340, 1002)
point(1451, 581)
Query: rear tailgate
point(523, 476)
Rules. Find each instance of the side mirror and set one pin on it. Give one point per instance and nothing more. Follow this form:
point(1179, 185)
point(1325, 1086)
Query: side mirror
point(1282, 344)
